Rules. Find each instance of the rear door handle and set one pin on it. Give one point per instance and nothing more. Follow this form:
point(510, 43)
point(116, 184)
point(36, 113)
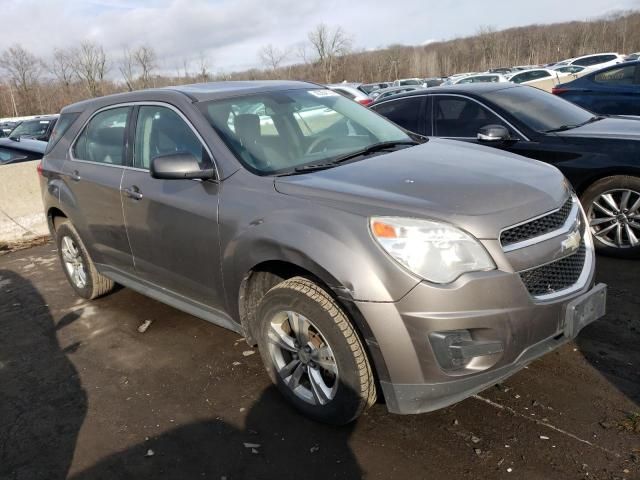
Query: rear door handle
point(133, 192)
point(75, 176)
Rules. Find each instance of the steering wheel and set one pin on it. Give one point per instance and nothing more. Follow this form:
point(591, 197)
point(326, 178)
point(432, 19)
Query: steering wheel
point(321, 140)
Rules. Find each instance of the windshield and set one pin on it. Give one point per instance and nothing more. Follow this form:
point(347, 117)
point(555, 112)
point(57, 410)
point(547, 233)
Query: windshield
point(31, 128)
point(540, 111)
point(276, 132)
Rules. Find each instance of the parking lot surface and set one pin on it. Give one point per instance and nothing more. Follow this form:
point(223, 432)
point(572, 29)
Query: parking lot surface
point(85, 394)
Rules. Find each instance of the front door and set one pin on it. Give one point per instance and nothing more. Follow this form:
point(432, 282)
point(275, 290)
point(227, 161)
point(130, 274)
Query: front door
point(172, 224)
point(459, 117)
point(93, 174)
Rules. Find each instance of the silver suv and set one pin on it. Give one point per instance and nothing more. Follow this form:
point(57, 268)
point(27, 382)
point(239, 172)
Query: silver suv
point(363, 262)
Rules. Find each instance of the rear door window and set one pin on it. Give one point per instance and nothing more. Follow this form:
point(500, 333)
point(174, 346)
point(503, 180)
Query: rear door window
point(538, 74)
point(102, 140)
point(405, 112)
point(461, 117)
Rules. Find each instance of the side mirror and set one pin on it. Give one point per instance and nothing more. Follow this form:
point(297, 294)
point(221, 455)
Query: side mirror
point(493, 133)
point(179, 166)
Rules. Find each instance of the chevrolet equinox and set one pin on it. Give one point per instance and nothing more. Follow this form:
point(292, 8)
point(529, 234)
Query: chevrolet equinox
point(363, 261)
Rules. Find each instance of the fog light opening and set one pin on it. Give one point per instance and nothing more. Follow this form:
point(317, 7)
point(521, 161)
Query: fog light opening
point(456, 349)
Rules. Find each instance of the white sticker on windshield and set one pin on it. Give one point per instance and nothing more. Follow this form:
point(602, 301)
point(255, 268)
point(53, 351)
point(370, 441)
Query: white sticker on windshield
point(323, 93)
point(44, 121)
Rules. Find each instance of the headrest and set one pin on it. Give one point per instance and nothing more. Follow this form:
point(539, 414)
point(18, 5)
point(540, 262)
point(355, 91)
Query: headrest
point(247, 126)
point(112, 136)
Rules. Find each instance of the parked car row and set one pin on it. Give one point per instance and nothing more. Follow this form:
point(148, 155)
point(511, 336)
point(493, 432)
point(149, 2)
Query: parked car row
point(546, 77)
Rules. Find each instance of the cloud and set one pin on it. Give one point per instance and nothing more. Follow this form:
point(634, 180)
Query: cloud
point(230, 32)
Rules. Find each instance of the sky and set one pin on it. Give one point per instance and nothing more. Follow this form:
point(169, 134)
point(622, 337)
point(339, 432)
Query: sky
point(229, 33)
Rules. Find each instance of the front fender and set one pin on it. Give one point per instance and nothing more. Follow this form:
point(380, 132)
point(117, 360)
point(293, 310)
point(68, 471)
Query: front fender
point(332, 244)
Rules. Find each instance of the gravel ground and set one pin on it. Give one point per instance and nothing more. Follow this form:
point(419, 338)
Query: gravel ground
point(84, 394)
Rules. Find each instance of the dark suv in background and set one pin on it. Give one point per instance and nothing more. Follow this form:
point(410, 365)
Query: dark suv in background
point(359, 261)
point(37, 128)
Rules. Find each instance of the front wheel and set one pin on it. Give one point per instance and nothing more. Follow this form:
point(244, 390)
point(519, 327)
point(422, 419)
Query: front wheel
point(613, 209)
point(313, 354)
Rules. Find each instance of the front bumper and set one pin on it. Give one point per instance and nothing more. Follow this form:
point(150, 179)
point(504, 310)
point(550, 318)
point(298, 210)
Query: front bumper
point(494, 307)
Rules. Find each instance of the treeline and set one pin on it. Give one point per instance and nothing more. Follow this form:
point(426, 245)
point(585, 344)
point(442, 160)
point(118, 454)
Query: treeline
point(31, 85)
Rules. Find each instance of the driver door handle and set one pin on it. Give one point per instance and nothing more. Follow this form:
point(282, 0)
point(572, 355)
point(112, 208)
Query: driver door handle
point(133, 192)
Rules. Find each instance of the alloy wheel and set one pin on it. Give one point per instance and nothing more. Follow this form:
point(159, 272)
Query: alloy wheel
point(303, 358)
point(614, 217)
point(73, 262)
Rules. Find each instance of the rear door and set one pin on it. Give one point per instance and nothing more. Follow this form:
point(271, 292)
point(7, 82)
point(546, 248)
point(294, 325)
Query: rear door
point(410, 113)
point(93, 174)
point(172, 224)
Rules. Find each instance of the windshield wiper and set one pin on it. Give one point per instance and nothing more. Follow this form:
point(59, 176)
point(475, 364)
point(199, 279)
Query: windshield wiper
point(562, 128)
point(376, 147)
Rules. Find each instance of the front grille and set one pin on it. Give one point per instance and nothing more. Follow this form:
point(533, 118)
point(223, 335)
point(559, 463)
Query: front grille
point(537, 227)
point(555, 276)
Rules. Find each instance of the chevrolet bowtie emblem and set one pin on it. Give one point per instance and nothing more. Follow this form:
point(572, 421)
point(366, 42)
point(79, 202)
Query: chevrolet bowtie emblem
point(572, 242)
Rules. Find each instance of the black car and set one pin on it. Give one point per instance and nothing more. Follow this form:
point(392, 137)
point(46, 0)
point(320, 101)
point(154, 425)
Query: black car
point(7, 127)
point(12, 151)
point(37, 128)
point(599, 155)
point(613, 90)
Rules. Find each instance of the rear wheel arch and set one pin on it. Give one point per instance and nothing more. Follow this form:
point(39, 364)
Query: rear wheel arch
point(55, 217)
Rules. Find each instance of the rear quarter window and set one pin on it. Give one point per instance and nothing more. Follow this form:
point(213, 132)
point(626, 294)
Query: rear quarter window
point(616, 76)
point(60, 128)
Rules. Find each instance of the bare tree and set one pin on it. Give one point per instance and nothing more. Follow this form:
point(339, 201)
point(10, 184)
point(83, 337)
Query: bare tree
point(127, 69)
point(302, 52)
point(204, 74)
point(90, 66)
point(272, 57)
point(23, 70)
point(145, 57)
point(329, 44)
point(62, 68)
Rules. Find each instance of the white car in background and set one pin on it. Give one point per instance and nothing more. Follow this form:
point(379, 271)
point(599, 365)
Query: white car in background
point(481, 78)
point(575, 69)
point(597, 60)
point(542, 78)
point(403, 82)
point(352, 92)
point(451, 79)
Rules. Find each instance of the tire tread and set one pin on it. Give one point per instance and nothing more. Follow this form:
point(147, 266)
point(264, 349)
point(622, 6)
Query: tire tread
point(316, 293)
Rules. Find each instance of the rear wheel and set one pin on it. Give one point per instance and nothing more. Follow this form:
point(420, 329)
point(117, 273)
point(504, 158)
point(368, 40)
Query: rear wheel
point(78, 266)
point(613, 209)
point(313, 354)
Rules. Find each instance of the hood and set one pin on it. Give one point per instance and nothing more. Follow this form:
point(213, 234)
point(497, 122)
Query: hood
point(480, 189)
point(25, 143)
point(622, 128)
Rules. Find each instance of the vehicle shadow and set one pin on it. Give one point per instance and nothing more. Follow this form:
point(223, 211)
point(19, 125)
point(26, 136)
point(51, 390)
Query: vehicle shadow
point(275, 442)
point(611, 343)
point(42, 402)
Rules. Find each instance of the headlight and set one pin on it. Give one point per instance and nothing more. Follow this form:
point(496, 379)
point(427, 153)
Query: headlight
point(435, 251)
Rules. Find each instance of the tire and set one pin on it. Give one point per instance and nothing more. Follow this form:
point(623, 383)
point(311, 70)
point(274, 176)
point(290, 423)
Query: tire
point(327, 345)
point(93, 284)
point(615, 221)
